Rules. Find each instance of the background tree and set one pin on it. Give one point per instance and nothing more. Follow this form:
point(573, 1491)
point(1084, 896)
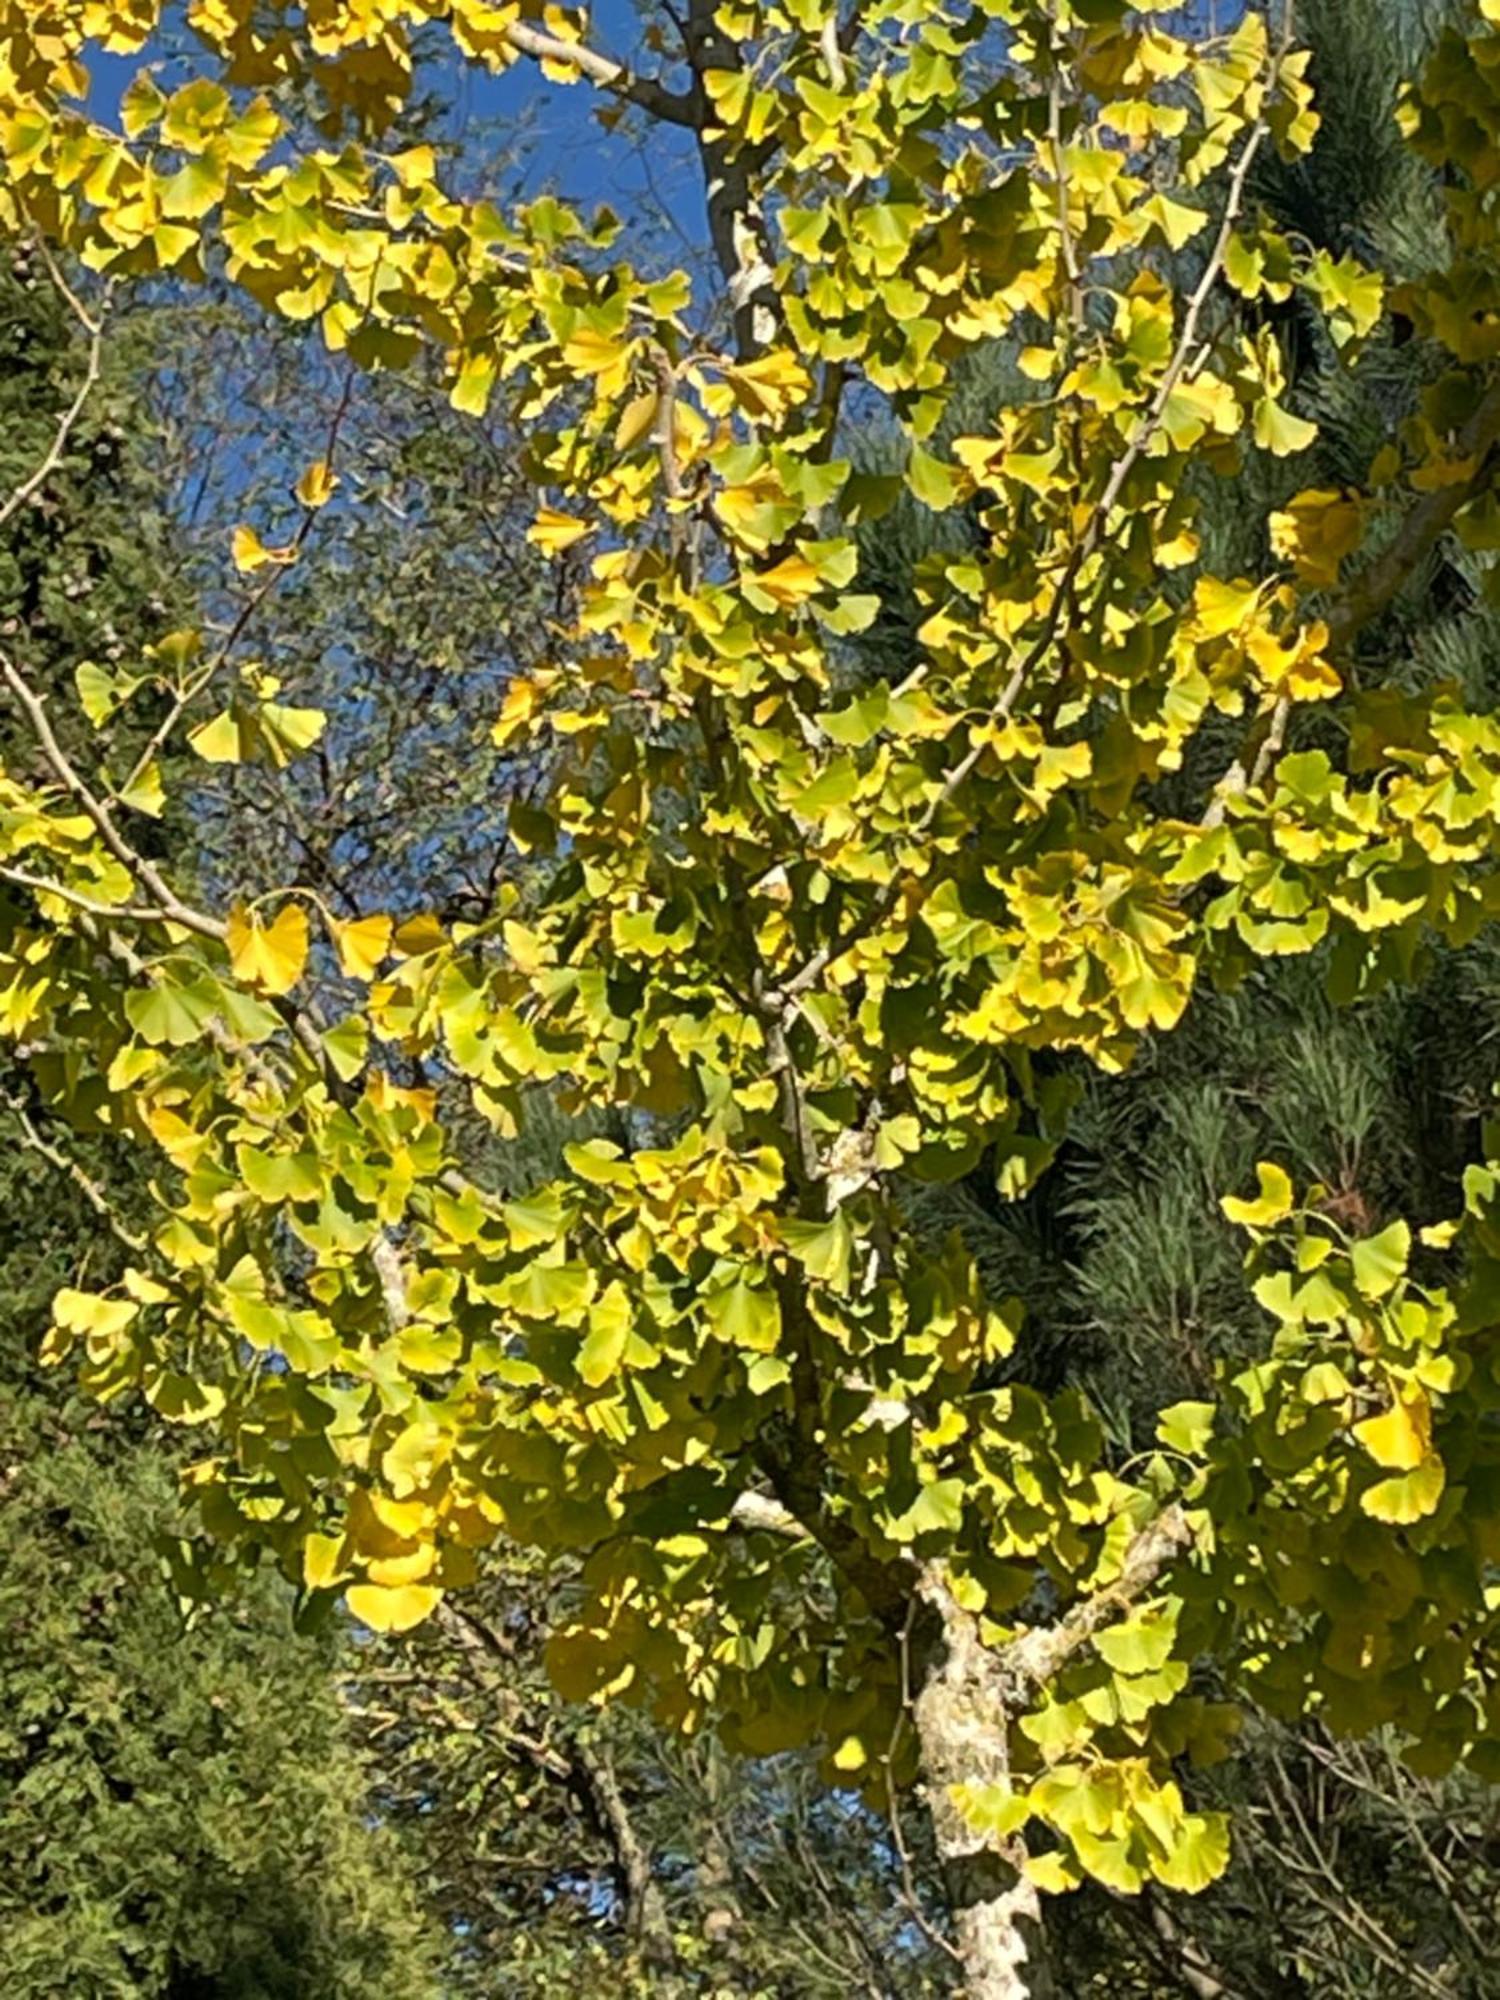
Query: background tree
point(182, 1810)
point(1135, 1277)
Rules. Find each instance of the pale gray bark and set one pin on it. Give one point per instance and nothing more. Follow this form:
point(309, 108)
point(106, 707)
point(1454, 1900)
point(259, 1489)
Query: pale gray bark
point(963, 1732)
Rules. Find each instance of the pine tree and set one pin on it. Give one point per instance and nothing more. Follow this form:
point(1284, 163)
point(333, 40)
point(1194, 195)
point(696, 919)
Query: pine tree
point(1133, 1278)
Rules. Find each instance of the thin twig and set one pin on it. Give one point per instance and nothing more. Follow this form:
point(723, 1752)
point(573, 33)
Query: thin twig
point(35, 711)
point(893, 1811)
point(90, 1189)
point(190, 691)
point(129, 913)
point(54, 456)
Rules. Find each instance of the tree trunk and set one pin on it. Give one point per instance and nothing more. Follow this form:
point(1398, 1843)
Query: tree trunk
point(962, 1733)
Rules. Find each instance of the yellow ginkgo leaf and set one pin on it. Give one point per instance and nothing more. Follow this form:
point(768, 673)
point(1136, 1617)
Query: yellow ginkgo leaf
point(791, 580)
point(1221, 607)
point(552, 532)
point(395, 1609)
point(419, 934)
point(145, 793)
point(317, 485)
point(268, 956)
point(1407, 1496)
point(1271, 1206)
point(91, 1312)
point(392, 1571)
point(636, 419)
point(1399, 1439)
point(592, 352)
point(250, 552)
point(361, 945)
point(1315, 531)
point(225, 738)
point(323, 1561)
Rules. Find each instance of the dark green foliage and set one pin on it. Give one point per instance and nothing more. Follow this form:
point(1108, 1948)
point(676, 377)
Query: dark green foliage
point(182, 1816)
point(1353, 1879)
point(88, 569)
point(179, 1809)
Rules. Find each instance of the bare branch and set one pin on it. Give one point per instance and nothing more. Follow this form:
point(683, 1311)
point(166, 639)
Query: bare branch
point(69, 419)
point(645, 1912)
point(90, 1189)
point(129, 913)
point(1373, 589)
point(759, 1512)
point(675, 107)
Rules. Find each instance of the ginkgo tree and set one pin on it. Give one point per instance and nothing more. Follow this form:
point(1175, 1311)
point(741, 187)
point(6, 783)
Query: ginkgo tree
point(799, 943)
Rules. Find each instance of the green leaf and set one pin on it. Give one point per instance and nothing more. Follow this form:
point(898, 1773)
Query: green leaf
point(1140, 1644)
point(603, 1346)
point(1110, 1860)
point(937, 1510)
point(747, 1316)
point(1379, 1262)
point(993, 1810)
point(168, 1012)
point(99, 693)
point(1279, 432)
point(346, 1046)
point(1187, 1427)
point(935, 484)
point(1200, 1856)
point(822, 1248)
point(834, 787)
point(286, 732)
point(1273, 1204)
point(278, 1177)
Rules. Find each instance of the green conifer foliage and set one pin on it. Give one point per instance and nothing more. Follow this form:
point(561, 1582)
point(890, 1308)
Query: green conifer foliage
point(182, 1814)
point(1134, 1278)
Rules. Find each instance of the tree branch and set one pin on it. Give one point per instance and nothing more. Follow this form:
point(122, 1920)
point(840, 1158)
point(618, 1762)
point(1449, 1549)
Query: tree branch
point(675, 107)
point(91, 1191)
point(36, 480)
point(1373, 589)
point(35, 712)
point(645, 1913)
point(1038, 1655)
point(128, 913)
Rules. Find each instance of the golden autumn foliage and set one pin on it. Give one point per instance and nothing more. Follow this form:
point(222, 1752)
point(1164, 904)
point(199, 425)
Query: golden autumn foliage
point(805, 940)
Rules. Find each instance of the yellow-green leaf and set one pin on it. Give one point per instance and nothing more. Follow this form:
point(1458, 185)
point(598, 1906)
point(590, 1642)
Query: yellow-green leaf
point(270, 956)
point(392, 1608)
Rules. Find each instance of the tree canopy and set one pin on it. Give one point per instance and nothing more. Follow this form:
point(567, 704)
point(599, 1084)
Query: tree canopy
point(795, 945)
